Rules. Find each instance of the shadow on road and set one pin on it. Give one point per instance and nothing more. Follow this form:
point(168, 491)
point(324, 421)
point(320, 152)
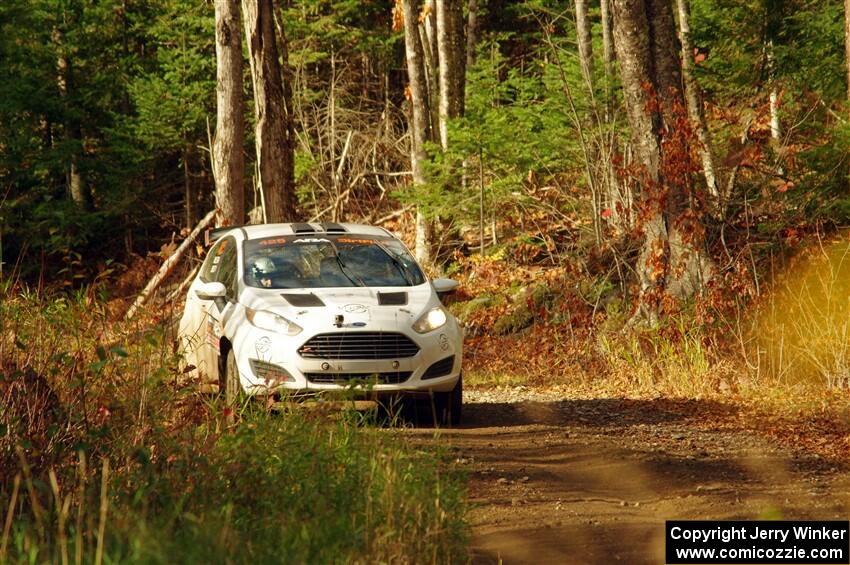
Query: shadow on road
point(600, 412)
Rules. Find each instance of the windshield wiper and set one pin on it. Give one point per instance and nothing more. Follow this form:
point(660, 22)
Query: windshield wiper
point(344, 268)
point(399, 267)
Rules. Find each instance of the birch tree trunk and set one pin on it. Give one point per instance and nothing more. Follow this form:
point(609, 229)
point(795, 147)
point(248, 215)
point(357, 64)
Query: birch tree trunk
point(452, 51)
point(419, 131)
point(228, 160)
point(694, 99)
point(585, 43)
point(274, 145)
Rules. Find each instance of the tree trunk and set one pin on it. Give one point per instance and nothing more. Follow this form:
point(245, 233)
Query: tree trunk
point(608, 52)
point(585, 43)
point(451, 46)
point(77, 188)
point(274, 144)
point(694, 99)
point(429, 59)
point(617, 193)
point(648, 53)
point(472, 32)
point(633, 50)
point(419, 131)
point(189, 191)
point(667, 75)
point(228, 160)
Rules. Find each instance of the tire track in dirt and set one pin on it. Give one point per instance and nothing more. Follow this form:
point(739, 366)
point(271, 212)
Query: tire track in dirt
point(591, 481)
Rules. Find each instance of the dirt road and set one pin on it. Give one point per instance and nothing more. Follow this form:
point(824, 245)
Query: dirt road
point(592, 481)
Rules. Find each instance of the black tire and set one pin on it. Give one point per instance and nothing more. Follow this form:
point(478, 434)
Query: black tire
point(228, 379)
point(448, 406)
point(454, 406)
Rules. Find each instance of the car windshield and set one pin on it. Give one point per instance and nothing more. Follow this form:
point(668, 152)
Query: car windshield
point(328, 261)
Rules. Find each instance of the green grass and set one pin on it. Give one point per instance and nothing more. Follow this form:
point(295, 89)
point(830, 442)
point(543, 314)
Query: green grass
point(182, 486)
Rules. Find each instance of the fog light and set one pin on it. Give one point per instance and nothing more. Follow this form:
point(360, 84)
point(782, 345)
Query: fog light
point(270, 372)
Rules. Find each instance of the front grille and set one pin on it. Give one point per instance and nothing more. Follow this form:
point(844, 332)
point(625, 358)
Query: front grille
point(391, 378)
point(439, 369)
point(358, 345)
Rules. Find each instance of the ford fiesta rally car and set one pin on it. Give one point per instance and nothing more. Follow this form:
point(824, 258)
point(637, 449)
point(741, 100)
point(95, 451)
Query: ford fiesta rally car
point(320, 307)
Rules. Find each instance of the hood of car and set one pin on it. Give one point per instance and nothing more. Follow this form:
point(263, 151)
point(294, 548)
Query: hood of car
point(376, 308)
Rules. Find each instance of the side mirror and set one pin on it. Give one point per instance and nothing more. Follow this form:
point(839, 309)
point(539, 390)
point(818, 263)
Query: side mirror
point(211, 291)
point(444, 286)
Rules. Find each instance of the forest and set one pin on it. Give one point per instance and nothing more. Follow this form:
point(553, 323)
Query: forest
point(641, 199)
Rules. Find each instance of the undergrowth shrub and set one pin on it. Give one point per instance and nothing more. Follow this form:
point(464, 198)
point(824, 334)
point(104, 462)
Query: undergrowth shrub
point(107, 456)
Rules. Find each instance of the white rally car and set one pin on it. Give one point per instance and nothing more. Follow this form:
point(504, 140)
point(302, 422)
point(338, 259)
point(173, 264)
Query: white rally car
point(317, 307)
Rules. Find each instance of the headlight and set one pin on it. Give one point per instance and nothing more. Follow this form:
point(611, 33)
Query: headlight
point(272, 322)
point(430, 320)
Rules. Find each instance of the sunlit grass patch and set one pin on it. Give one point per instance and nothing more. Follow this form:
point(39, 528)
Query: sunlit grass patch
point(799, 333)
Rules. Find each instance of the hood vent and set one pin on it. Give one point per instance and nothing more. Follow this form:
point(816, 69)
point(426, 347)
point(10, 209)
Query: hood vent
point(330, 227)
point(303, 300)
point(303, 228)
point(392, 298)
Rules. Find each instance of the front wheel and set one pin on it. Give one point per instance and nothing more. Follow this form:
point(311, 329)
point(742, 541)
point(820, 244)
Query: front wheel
point(228, 381)
point(449, 405)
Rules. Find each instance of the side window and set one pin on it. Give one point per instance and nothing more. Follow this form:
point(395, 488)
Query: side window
point(212, 264)
point(220, 265)
point(227, 269)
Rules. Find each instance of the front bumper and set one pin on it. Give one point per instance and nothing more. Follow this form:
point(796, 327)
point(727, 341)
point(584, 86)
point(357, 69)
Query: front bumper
point(407, 375)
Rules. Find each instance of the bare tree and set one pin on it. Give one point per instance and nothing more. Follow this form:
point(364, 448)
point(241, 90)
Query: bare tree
point(452, 49)
point(275, 154)
point(608, 51)
point(585, 43)
point(694, 99)
point(419, 130)
point(228, 160)
point(431, 60)
point(472, 31)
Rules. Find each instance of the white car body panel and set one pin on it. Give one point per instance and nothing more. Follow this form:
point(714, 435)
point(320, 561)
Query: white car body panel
point(206, 328)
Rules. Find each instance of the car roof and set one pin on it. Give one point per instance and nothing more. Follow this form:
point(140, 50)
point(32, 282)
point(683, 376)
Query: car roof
point(270, 230)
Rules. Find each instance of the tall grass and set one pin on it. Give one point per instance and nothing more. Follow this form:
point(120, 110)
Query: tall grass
point(650, 362)
point(106, 456)
point(799, 334)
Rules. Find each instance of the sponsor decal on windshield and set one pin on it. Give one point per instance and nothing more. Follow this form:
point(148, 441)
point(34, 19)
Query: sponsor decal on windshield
point(272, 241)
point(355, 241)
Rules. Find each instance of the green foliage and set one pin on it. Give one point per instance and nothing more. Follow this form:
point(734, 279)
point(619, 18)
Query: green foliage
point(176, 96)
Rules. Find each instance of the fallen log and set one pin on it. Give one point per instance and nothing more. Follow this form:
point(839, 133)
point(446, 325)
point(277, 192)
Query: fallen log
point(169, 264)
point(177, 292)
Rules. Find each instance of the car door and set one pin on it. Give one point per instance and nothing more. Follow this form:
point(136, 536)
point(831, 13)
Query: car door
point(205, 337)
point(223, 269)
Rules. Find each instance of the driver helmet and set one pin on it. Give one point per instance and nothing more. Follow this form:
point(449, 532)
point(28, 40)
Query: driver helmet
point(263, 266)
